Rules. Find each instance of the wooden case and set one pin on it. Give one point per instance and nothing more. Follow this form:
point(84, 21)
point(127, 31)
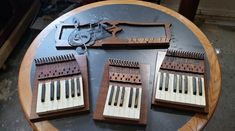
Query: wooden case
point(98, 114)
point(82, 63)
point(179, 68)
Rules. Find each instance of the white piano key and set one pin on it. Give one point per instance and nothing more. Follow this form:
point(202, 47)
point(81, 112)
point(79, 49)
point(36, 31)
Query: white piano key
point(114, 110)
point(158, 92)
point(66, 100)
point(47, 97)
point(183, 95)
point(124, 109)
point(180, 96)
point(132, 110)
point(40, 105)
point(177, 94)
point(81, 97)
point(198, 99)
point(162, 93)
point(63, 100)
point(55, 102)
point(137, 114)
point(203, 98)
point(168, 92)
point(107, 109)
point(173, 94)
point(76, 98)
point(192, 96)
point(69, 100)
point(118, 111)
point(188, 94)
point(127, 109)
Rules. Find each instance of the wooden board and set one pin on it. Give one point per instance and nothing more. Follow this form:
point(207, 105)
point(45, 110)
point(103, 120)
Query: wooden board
point(111, 42)
point(180, 65)
point(34, 117)
point(98, 114)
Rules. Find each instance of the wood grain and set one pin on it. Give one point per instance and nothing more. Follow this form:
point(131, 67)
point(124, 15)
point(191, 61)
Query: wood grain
point(100, 104)
point(197, 122)
point(80, 61)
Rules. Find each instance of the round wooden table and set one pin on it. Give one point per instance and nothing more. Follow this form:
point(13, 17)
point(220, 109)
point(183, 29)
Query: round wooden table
point(185, 36)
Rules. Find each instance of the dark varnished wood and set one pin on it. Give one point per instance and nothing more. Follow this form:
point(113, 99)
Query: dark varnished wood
point(98, 114)
point(82, 63)
point(113, 41)
point(176, 62)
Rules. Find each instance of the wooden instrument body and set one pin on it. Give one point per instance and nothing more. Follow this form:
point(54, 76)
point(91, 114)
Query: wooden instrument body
point(80, 61)
point(183, 63)
point(98, 114)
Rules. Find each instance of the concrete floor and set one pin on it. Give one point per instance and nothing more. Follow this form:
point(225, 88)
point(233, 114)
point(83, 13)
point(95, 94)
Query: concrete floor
point(222, 37)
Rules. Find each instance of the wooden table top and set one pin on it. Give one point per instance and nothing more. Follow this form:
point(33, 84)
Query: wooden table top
point(186, 36)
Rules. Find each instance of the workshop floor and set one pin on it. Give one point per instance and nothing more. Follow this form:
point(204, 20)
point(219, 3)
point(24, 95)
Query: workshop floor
point(222, 37)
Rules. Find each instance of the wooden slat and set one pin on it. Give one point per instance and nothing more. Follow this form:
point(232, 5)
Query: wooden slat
point(19, 30)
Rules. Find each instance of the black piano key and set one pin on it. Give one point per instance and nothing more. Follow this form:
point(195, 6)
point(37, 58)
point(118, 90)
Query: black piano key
point(161, 81)
point(116, 97)
point(111, 95)
point(200, 85)
point(136, 97)
point(52, 91)
point(72, 88)
point(122, 96)
point(78, 86)
point(167, 82)
point(66, 88)
point(130, 98)
point(180, 83)
point(194, 86)
point(186, 84)
point(175, 83)
point(58, 90)
point(43, 92)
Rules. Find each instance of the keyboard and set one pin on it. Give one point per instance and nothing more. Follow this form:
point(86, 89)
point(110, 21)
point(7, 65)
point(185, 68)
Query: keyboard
point(61, 87)
point(123, 102)
point(60, 95)
point(122, 93)
point(181, 89)
point(180, 81)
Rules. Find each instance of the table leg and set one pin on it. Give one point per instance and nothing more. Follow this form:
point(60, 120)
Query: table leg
point(188, 8)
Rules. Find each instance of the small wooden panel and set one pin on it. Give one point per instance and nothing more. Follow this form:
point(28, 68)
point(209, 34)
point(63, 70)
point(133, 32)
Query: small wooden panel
point(34, 117)
point(183, 63)
point(113, 41)
point(100, 104)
